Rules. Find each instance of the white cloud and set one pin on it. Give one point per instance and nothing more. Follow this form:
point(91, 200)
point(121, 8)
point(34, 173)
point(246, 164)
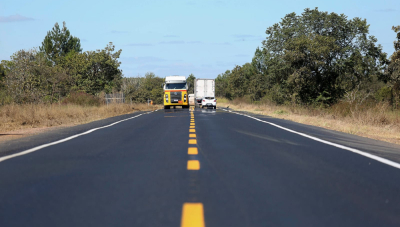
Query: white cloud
point(173, 42)
point(194, 42)
point(140, 44)
point(385, 10)
point(14, 18)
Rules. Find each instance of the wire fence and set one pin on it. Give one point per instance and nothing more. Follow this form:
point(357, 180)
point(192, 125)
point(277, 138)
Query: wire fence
point(115, 98)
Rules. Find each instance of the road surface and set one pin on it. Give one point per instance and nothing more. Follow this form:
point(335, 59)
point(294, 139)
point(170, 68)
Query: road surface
point(200, 168)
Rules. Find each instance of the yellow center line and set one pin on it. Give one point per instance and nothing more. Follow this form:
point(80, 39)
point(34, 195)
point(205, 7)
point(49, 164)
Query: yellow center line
point(192, 130)
point(192, 126)
point(193, 165)
point(192, 215)
point(192, 135)
point(192, 141)
point(192, 151)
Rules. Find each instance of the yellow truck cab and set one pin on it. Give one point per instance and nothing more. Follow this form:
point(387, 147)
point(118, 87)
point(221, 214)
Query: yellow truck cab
point(175, 92)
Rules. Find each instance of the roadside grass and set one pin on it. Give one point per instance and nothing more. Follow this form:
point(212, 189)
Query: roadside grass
point(373, 121)
point(17, 117)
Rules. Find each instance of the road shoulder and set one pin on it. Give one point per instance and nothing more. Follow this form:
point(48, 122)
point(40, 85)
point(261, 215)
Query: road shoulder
point(379, 148)
point(49, 135)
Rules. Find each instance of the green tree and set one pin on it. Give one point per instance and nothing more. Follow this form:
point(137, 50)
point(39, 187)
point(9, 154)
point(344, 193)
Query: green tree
point(140, 89)
point(393, 70)
point(221, 85)
point(317, 56)
point(22, 82)
point(94, 71)
point(190, 81)
point(2, 75)
point(59, 42)
point(104, 73)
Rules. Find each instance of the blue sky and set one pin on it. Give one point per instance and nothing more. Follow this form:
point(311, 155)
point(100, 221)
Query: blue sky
point(177, 37)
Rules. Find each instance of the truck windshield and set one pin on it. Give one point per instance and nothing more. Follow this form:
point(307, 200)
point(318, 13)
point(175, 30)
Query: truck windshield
point(175, 86)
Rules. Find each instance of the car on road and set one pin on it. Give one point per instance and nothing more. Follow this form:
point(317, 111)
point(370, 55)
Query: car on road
point(209, 102)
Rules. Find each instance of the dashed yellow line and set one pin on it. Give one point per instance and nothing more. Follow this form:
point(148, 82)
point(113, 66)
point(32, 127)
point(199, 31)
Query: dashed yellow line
point(192, 141)
point(192, 215)
point(192, 151)
point(193, 165)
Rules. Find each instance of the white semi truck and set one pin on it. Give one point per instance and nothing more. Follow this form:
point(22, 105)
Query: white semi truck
point(204, 88)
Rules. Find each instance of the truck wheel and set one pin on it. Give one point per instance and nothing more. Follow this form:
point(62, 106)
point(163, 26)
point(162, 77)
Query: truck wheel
point(167, 107)
point(215, 107)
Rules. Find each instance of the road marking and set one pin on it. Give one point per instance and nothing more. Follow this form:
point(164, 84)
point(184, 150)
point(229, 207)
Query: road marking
point(191, 121)
point(191, 127)
point(192, 141)
point(363, 153)
point(192, 124)
point(192, 215)
point(192, 135)
point(193, 165)
point(193, 151)
point(192, 130)
point(65, 139)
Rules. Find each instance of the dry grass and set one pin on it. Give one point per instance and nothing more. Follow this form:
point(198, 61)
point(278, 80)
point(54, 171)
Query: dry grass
point(376, 122)
point(20, 117)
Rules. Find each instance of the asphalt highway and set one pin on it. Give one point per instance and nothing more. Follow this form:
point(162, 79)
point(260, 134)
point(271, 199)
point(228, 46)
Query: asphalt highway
point(200, 168)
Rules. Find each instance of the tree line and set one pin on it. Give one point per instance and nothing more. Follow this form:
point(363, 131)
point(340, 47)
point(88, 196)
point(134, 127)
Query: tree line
point(59, 71)
point(316, 58)
point(149, 87)
point(58, 68)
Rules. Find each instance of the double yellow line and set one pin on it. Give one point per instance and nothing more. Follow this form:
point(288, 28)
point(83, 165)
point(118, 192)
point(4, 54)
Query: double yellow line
point(192, 213)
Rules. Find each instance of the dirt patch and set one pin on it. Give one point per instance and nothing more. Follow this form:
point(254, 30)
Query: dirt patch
point(21, 133)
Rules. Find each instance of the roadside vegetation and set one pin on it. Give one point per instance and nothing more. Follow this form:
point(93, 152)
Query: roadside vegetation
point(16, 117)
point(59, 84)
point(322, 69)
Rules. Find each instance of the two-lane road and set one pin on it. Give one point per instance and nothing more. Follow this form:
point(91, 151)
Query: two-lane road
point(137, 173)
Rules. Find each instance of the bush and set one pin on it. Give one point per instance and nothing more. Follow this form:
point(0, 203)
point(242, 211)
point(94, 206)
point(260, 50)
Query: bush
point(82, 99)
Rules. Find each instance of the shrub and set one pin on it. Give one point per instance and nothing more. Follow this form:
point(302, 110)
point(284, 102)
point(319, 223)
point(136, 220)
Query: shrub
point(82, 99)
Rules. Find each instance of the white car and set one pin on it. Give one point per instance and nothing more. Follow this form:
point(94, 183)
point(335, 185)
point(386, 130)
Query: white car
point(209, 102)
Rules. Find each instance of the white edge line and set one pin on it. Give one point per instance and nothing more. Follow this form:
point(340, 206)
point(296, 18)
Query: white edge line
point(363, 153)
point(63, 140)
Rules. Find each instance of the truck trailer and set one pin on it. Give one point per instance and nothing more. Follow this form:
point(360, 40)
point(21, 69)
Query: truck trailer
point(203, 88)
point(175, 92)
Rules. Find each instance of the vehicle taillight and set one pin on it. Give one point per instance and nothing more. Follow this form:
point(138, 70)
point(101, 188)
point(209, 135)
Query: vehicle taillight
point(204, 100)
point(215, 100)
